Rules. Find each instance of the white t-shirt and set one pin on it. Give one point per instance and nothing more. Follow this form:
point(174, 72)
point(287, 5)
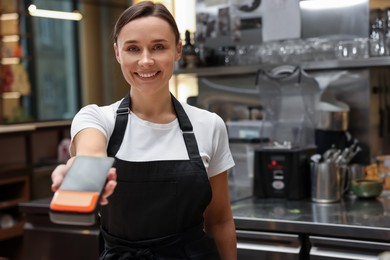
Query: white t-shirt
point(146, 141)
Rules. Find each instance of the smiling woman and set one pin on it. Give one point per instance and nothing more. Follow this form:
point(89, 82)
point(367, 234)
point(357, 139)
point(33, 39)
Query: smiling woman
point(146, 57)
point(168, 197)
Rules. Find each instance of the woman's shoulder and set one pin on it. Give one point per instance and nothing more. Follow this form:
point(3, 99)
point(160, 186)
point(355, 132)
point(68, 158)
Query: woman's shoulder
point(104, 108)
point(95, 116)
point(98, 110)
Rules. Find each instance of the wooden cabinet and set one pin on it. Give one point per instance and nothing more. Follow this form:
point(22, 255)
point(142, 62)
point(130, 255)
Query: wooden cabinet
point(28, 154)
point(14, 190)
point(15, 180)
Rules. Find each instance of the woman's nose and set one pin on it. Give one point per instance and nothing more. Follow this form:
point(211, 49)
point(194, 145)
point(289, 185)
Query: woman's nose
point(146, 58)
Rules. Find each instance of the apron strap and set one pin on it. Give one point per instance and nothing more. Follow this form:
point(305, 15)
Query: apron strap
point(122, 117)
point(186, 128)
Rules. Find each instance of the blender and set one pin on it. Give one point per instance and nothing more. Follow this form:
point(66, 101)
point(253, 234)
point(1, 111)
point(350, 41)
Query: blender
point(288, 96)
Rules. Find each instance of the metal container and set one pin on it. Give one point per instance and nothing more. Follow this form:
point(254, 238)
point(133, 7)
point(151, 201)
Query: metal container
point(329, 182)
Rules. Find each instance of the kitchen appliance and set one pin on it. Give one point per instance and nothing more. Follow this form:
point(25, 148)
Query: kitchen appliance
point(282, 172)
point(288, 96)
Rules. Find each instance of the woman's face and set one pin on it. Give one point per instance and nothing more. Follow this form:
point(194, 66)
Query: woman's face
point(146, 50)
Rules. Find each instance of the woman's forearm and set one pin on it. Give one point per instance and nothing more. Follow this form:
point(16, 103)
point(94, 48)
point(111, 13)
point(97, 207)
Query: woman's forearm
point(224, 235)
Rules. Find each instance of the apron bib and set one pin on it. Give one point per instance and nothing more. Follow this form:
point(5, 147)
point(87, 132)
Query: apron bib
point(156, 211)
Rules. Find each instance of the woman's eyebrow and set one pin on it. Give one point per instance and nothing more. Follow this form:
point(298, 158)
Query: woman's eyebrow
point(154, 41)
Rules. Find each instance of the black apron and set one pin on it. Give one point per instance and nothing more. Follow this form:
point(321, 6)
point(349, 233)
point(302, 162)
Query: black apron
point(156, 210)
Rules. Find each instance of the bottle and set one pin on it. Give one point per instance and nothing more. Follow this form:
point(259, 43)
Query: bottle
point(190, 59)
point(387, 30)
point(377, 34)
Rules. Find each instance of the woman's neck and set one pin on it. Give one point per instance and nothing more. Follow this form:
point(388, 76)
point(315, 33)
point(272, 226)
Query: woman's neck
point(154, 108)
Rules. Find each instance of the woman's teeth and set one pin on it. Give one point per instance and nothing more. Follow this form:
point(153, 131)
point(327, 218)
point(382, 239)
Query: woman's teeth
point(147, 75)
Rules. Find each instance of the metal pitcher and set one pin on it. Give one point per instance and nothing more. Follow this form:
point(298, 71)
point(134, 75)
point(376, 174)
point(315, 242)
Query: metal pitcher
point(329, 181)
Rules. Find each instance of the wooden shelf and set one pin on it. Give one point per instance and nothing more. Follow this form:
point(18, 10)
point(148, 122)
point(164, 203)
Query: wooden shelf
point(13, 168)
point(11, 203)
point(14, 231)
point(14, 191)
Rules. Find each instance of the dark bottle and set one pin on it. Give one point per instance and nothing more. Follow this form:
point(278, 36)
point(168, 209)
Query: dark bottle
point(189, 56)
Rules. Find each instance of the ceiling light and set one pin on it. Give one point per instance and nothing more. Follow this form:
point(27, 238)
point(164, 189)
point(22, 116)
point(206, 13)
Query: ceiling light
point(34, 11)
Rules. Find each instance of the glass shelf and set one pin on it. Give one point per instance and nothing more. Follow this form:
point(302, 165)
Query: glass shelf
point(315, 65)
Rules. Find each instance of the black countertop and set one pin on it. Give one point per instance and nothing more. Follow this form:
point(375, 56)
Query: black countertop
point(349, 218)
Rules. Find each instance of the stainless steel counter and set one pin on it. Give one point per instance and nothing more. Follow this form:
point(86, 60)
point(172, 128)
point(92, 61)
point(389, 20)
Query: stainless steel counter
point(266, 229)
point(351, 218)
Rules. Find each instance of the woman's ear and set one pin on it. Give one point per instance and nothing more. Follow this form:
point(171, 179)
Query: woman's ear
point(116, 52)
point(179, 49)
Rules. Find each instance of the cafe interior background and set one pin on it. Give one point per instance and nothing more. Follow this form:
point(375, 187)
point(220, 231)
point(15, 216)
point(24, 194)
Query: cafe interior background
point(52, 66)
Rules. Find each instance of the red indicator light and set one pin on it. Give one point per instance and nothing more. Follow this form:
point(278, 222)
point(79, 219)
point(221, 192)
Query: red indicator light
point(274, 163)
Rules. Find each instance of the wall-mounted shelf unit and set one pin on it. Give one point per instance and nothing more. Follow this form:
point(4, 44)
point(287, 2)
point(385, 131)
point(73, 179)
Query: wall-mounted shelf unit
point(318, 65)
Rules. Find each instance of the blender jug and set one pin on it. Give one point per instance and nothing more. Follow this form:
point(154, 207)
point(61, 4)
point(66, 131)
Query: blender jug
point(288, 96)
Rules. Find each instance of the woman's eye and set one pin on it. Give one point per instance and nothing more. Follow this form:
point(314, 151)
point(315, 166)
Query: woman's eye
point(132, 49)
point(159, 47)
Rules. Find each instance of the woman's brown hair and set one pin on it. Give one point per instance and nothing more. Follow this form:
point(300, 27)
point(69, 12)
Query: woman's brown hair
point(144, 9)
